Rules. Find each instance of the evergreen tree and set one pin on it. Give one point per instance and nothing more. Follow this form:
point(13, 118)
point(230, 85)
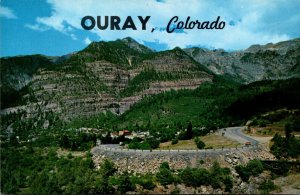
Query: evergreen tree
point(189, 131)
point(288, 131)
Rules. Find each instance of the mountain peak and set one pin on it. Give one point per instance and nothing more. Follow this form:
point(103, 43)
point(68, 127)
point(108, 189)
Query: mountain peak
point(130, 42)
point(281, 47)
point(128, 39)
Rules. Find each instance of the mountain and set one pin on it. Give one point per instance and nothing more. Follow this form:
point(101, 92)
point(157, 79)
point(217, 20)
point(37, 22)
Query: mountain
point(258, 62)
point(114, 76)
point(104, 76)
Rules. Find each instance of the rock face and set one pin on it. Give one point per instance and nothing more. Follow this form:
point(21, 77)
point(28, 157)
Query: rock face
point(104, 76)
point(115, 75)
point(149, 161)
point(271, 61)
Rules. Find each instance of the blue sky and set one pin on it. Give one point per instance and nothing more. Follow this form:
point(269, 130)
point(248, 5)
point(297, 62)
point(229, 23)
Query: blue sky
point(52, 27)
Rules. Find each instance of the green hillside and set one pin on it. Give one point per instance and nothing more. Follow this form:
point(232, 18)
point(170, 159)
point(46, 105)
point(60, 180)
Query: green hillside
point(218, 104)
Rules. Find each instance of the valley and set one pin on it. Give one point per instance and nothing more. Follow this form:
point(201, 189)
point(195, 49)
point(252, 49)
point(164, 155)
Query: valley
point(59, 114)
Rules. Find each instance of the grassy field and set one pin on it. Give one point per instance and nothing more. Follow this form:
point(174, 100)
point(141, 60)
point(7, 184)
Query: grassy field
point(64, 153)
point(269, 130)
point(212, 140)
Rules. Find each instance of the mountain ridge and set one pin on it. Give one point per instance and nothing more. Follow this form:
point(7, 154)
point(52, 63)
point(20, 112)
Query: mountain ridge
point(113, 76)
point(258, 62)
point(103, 76)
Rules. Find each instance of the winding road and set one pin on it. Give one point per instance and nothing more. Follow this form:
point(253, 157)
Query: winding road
point(234, 133)
point(237, 134)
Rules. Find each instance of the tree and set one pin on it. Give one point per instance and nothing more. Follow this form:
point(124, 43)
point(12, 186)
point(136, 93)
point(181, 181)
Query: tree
point(200, 144)
point(125, 183)
point(165, 176)
point(64, 142)
point(288, 131)
point(164, 165)
point(189, 131)
point(228, 184)
point(195, 177)
point(253, 167)
point(107, 168)
point(153, 142)
point(278, 148)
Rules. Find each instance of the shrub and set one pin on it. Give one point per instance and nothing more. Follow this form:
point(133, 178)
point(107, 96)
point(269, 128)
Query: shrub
point(279, 167)
point(175, 191)
point(124, 183)
point(165, 176)
point(286, 147)
point(254, 167)
point(174, 141)
point(187, 177)
point(267, 186)
point(243, 172)
point(200, 144)
point(164, 165)
point(153, 142)
point(147, 184)
point(107, 168)
point(200, 176)
point(182, 136)
point(228, 184)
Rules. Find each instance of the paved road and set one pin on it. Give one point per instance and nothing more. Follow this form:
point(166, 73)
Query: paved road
point(236, 133)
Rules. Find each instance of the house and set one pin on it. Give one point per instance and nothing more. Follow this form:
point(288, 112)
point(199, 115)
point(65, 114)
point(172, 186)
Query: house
point(124, 132)
point(114, 134)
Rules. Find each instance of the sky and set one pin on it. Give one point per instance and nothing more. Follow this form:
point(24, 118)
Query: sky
point(53, 27)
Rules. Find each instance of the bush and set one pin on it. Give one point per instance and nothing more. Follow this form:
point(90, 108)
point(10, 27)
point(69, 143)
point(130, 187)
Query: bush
point(175, 191)
point(286, 147)
point(267, 186)
point(147, 184)
point(254, 167)
point(296, 125)
point(182, 136)
point(153, 142)
point(279, 167)
point(200, 144)
point(165, 176)
point(243, 172)
point(216, 177)
point(124, 183)
point(228, 184)
point(195, 177)
point(164, 165)
point(107, 168)
point(174, 141)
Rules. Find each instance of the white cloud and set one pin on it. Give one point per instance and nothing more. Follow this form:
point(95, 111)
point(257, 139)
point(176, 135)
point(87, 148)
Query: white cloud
point(256, 21)
point(36, 27)
point(7, 13)
point(87, 41)
point(73, 37)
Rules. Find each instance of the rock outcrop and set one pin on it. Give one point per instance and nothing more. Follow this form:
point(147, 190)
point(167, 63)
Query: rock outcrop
point(258, 62)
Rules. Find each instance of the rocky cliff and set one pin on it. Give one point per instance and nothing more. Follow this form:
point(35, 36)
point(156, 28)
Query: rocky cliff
point(258, 62)
point(115, 75)
point(104, 76)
